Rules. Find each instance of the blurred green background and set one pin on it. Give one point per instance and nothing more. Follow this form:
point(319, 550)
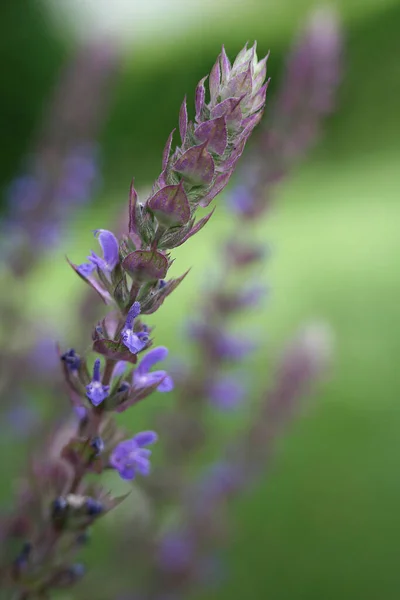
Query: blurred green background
point(325, 522)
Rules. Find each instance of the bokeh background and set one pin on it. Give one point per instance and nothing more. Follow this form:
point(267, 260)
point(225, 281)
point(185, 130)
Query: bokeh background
point(325, 521)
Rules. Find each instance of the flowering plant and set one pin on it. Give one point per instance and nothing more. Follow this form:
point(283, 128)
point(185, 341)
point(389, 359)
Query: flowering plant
point(60, 500)
point(63, 494)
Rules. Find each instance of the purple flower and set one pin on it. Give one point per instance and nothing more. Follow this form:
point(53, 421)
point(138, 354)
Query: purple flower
point(80, 412)
point(110, 247)
point(21, 419)
point(96, 391)
point(72, 360)
point(226, 393)
point(223, 344)
point(86, 269)
point(221, 479)
point(134, 341)
point(119, 369)
point(142, 378)
point(241, 199)
point(233, 347)
point(130, 457)
point(175, 552)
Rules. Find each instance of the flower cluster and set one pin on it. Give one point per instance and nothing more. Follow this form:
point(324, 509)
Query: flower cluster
point(62, 170)
point(60, 502)
point(306, 95)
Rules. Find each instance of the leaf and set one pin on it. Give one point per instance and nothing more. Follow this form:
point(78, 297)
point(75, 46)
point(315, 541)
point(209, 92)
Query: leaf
point(196, 165)
point(170, 205)
point(199, 225)
point(154, 301)
point(146, 265)
point(94, 284)
point(215, 133)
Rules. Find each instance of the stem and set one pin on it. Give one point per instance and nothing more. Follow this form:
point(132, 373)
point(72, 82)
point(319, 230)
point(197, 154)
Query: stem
point(161, 229)
point(135, 289)
point(108, 370)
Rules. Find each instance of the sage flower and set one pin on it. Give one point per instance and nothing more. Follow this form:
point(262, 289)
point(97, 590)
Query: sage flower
point(142, 377)
point(109, 245)
point(134, 341)
point(130, 457)
point(95, 390)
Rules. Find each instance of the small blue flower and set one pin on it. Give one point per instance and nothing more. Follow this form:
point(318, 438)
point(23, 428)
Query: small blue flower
point(77, 571)
point(96, 391)
point(86, 269)
point(59, 506)
point(130, 457)
point(134, 341)
point(94, 507)
point(107, 264)
point(98, 445)
point(142, 378)
point(72, 360)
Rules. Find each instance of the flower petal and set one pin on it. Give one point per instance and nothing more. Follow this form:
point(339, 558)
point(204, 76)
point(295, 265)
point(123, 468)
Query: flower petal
point(144, 438)
point(86, 269)
point(154, 356)
point(167, 383)
point(142, 465)
point(127, 472)
point(110, 247)
point(119, 368)
point(132, 341)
